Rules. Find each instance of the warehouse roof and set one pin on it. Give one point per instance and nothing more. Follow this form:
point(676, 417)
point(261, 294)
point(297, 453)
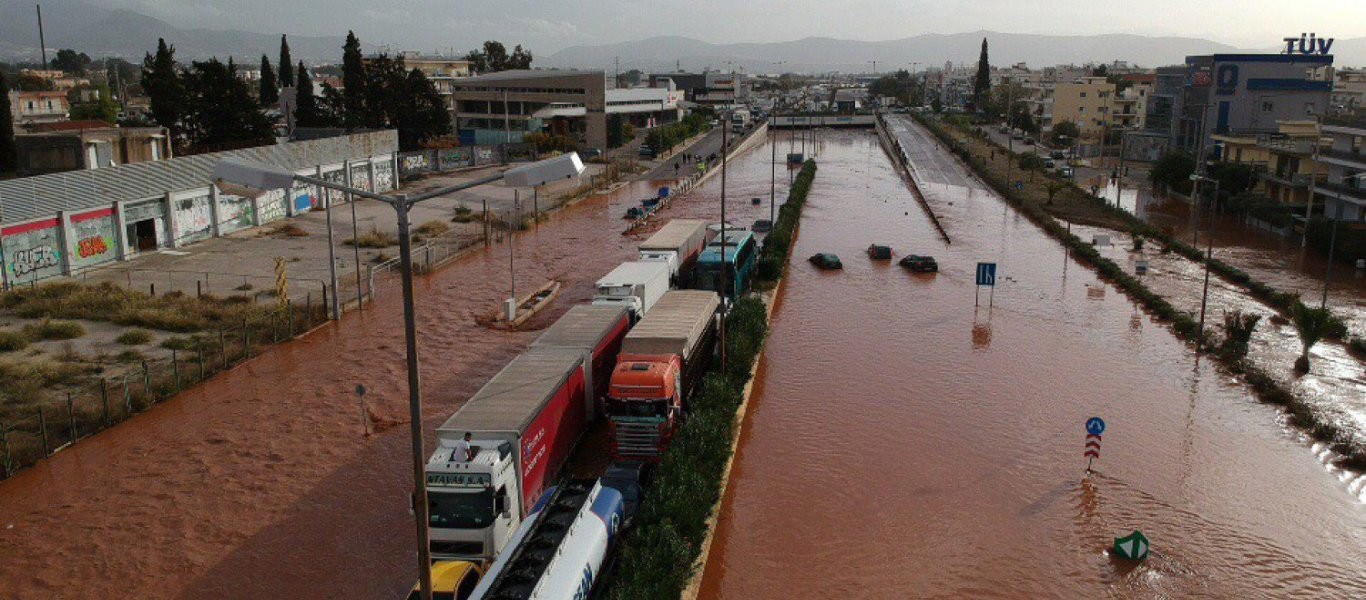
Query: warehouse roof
point(40, 196)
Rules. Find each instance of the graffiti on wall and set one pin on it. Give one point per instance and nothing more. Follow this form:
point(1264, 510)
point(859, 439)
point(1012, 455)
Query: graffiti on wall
point(360, 176)
point(454, 158)
point(272, 205)
point(193, 218)
point(234, 213)
point(33, 251)
point(484, 155)
point(303, 198)
point(414, 162)
point(337, 176)
point(384, 176)
point(94, 235)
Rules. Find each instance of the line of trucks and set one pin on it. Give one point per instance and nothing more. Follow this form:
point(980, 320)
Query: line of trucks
point(502, 516)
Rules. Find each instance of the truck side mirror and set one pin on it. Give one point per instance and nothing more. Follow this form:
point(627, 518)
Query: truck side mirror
point(500, 504)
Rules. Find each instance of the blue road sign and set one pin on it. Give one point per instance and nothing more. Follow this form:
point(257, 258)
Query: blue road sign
point(986, 273)
point(1095, 426)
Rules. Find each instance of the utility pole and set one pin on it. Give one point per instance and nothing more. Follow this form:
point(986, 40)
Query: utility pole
point(725, 139)
point(42, 43)
point(507, 125)
point(1200, 172)
point(1332, 242)
point(1309, 206)
point(1209, 258)
point(772, 170)
point(1010, 138)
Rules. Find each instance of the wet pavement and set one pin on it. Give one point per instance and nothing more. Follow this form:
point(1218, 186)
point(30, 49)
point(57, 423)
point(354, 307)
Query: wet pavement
point(903, 443)
point(261, 483)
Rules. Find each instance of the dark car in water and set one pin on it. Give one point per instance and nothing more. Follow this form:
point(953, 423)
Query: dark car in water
point(920, 264)
point(826, 260)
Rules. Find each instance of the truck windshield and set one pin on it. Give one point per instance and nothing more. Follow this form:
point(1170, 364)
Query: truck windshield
point(637, 407)
point(460, 510)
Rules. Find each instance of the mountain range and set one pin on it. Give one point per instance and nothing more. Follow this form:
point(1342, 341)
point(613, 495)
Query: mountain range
point(818, 54)
point(99, 31)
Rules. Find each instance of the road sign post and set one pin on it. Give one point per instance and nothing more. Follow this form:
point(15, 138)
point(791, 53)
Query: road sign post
point(986, 275)
point(1132, 547)
point(1095, 426)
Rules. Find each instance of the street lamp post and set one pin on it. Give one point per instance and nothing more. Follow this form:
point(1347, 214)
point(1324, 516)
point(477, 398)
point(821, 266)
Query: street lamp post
point(253, 179)
point(772, 169)
point(1209, 256)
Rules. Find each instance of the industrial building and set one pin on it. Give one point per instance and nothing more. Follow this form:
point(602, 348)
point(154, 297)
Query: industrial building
point(64, 223)
point(503, 107)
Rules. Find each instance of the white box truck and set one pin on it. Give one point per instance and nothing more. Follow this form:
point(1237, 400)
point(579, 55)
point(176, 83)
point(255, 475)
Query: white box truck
point(677, 243)
point(636, 285)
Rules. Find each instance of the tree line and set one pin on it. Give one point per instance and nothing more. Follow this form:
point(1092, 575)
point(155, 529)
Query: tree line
point(207, 106)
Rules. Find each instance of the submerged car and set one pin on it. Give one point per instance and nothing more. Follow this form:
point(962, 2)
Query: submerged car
point(877, 252)
point(920, 264)
point(826, 260)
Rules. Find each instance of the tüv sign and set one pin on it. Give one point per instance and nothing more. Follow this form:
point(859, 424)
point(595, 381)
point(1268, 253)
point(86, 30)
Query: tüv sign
point(1307, 44)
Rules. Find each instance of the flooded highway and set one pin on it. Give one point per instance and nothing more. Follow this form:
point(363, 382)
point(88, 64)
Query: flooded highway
point(903, 443)
point(261, 483)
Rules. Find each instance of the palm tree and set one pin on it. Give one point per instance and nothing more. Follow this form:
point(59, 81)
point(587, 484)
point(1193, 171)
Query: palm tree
point(1313, 325)
point(1053, 188)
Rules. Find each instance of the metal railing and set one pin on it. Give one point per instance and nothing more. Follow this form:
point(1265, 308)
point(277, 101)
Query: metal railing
point(37, 423)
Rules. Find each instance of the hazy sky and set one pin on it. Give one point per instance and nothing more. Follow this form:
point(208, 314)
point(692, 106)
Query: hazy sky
point(548, 25)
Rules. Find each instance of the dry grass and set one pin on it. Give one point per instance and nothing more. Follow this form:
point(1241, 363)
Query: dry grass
point(430, 229)
point(12, 341)
point(463, 214)
point(134, 337)
point(288, 230)
point(111, 303)
point(48, 329)
point(373, 239)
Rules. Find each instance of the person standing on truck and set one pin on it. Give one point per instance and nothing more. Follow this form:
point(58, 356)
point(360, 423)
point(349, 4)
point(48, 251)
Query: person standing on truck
point(463, 451)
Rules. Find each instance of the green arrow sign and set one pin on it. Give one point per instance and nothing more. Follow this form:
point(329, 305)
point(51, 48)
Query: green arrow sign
point(1132, 547)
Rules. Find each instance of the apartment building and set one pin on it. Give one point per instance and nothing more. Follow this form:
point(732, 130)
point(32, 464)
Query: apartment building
point(1086, 101)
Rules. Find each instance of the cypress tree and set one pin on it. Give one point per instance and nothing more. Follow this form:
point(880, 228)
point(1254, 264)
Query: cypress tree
point(270, 92)
point(286, 64)
point(982, 85)
point(8, 159)
point(162, 84)
point(307, 113)
point(353, 83)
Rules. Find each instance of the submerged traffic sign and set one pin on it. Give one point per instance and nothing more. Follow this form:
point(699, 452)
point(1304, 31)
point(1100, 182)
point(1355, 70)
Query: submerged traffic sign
point(1095, 426)
point(986, 273)
point(1132, 547)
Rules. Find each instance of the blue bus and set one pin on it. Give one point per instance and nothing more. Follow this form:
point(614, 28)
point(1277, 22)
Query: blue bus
point(741, 256)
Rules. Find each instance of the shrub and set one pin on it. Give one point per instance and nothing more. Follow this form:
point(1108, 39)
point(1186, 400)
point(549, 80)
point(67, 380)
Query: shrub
point(48, 329)
point(134, 337)
point(12, 341)
point(430, 229)
point(1313, 324)
point(1238, 328)
point(373, 239)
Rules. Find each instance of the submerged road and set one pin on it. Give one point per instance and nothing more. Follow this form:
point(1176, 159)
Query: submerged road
point(903, 443)
point(260, 483)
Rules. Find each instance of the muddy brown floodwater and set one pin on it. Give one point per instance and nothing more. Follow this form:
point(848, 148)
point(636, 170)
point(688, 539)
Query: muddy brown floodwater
point(902, 443)
point(260, 483)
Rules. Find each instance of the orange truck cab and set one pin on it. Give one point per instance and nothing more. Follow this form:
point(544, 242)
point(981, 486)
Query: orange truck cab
point(644, 401)
point(662, 359)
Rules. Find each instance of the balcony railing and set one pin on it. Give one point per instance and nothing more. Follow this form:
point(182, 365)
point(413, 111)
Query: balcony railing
point(1356, 193)
point(1354, 157)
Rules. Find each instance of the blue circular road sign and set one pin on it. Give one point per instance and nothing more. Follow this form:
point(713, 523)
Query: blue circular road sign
point(1095, 426)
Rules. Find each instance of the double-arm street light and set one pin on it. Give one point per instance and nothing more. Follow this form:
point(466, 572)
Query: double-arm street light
point(253, 179)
